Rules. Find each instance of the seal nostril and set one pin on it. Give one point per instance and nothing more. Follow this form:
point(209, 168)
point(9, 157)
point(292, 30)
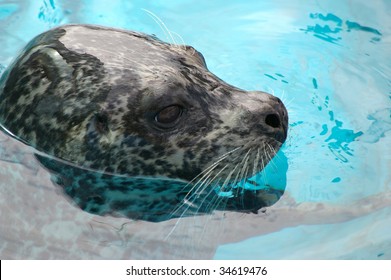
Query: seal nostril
point(273, 120)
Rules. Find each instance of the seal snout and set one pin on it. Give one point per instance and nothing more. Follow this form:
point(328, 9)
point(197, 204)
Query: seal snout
point(277, 119)
point(273, 120)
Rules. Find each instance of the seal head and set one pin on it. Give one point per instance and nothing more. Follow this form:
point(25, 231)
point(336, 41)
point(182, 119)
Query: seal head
point(127, 104)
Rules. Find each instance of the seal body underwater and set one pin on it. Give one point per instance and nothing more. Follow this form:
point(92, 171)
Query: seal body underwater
point(131, 120)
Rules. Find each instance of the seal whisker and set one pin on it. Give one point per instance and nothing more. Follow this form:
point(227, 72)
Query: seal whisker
point(256, 162)
point(213, 165)
point(190, 204)
point(237, 183)
point(211, 203)
point(288, 103)
point(271, 90)
point(264, 174)
point(243, 179)
point(212, 190)
point(192, 195)
point(275, 153)
point(216, 204)
point(242, 189)
point(204, 177)
point(268, 157)
point(210, 168)
point(237, 180)
point(226, 181)
point(282, 97)
point(180, 38)
point(229, 153)
point(244, 166)
point(271, 155)
point(199, 190)
point(162, 25)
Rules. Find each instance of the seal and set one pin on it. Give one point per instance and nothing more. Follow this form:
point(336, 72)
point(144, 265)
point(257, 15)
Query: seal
point(129, 123)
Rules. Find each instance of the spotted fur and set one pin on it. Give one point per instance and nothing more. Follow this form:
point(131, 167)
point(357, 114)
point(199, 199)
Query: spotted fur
point(89, 97)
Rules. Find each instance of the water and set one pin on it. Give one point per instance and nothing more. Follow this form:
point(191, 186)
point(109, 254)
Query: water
point(330, 63)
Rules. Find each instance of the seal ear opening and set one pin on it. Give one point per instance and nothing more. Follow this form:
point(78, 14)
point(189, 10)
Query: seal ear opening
point(197, 56)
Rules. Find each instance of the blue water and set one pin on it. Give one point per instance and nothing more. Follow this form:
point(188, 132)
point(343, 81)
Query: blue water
point(330, 62)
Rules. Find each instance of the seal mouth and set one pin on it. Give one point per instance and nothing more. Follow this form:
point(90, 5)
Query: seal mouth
point(239, 164)
point(234, 181)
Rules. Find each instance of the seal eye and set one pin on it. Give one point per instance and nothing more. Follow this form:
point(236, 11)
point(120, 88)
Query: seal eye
point(168, 116)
